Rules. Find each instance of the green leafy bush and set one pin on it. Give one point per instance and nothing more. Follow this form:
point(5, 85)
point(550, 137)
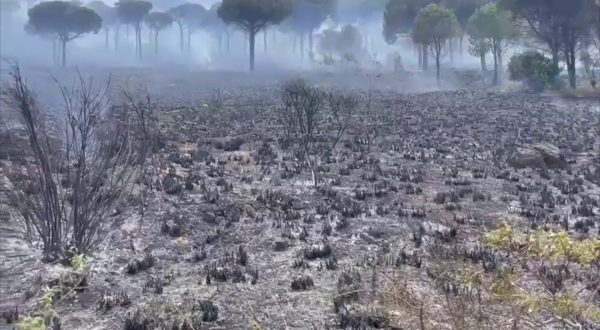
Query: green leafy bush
point(533, 69)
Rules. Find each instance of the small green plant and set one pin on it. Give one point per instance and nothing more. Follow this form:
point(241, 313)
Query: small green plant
point(533, 69)
point(32, 323)
point(79, 263)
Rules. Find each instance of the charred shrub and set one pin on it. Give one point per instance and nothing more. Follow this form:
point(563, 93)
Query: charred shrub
point(280, 246)
point(356, 322)
point(348, 285)
point(137, 320)
point(137, 265)
point(171, 185)
point(317, 251)
point(242, 256)
point(112, 299)
point(9, 314)
point(154, 284)
point(210, 311)
point(302, 283)
point(233, 144)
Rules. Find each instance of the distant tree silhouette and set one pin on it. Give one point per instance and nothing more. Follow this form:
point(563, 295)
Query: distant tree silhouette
point(254, 15)
point(133, 12)
point(435, 25)
point(157, 21)
point(307, 16)
point(188, 16)
point(64, 21)
point(109, 17)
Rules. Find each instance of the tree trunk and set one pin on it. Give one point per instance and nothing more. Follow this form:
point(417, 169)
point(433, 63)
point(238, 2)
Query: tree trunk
point(495, 53)
point(438, 53)
point(420, 55)
point(451, 49)
point(483, 62)
point(64, 52)
point(265, 39)
point(252, 39)
point(117, 29)
point(302, 45)
point(189, 44)
point(228, 35)
point(295, 43)
point(500, 62)
point(555, 58)
point(139, 40)
point(310, 45)
point(181, 42)
point(571, 62)
point(54, 51)
point(106, 31)
point(425, 58)
point(220, 37)
point(156, 42)
point(246, 38)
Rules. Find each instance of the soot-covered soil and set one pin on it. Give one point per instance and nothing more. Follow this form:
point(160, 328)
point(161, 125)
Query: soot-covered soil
point(239, 237)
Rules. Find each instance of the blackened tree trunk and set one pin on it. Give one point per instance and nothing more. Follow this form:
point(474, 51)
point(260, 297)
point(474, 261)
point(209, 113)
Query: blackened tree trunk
point(570, 57)
point(425, 49)
point(265, 40)
point(437, 49)
point(181, 42)
point(220, 37)
point(106, 31)
point(64, 51)
point(54, 51)
point(451, 49)
point(495, 46)
point(252, 40)
point(189, 39)
point(302, 45)
point(310, 44)
point(228, 36)
point(117, 30)
point(500, 61)
point(156, 42)
point(139, 40)
point(483, 61)
point(295, 43)
point(569, 39)
point(420, 55)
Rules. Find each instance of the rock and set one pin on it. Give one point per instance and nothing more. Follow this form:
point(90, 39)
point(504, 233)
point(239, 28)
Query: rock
point(551, 154)
point(542, 155)
point(527, 157)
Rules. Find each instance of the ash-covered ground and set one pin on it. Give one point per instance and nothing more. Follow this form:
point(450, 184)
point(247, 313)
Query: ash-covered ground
point(240, 238)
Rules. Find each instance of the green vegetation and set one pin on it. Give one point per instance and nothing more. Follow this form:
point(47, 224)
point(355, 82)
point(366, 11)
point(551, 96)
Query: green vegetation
point(534, 69)
point(435, 26)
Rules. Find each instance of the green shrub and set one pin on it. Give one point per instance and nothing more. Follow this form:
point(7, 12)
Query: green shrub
point(533, 69)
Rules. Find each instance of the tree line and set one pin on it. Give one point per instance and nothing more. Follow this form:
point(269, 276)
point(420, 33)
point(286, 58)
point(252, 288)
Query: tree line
point(562, 29)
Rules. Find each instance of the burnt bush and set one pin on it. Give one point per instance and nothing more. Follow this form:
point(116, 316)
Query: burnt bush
point(316, 251)
point(210, 311)
point(349, 285)
point(9, 314)
point(234, 144)
point(302, 283)
point(137, 320)
point(137, 265)
point(171, 185)
point(113, 298)
point(154, 284)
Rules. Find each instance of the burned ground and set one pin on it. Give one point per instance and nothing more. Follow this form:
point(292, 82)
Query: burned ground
point(236, 236)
